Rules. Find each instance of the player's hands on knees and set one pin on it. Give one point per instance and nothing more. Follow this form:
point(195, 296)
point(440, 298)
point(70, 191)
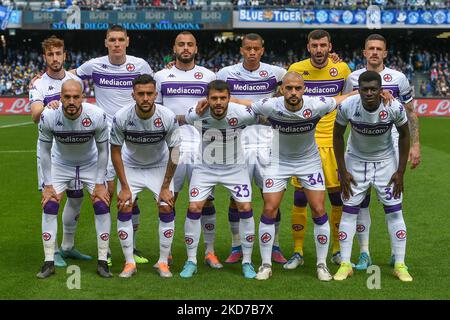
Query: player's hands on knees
point(48, 194)
point(124, 200)
point(346, 185)
point(414, 155)
point(202, 105)
point(36, 77)
point(166, 196)
point(53, 104)
point(387, 97)
point(397, 180)
point(101, 193)
point(335, 57)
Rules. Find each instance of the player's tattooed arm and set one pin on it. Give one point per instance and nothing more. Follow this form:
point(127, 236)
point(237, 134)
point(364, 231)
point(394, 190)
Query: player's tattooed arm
point(413, 122)
point(403, 147)
point(166, 195)
point(339, 146)
point(124, 197)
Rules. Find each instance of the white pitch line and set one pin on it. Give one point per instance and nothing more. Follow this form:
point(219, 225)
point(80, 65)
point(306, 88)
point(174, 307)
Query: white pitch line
point(16, 125)
point(17, 151)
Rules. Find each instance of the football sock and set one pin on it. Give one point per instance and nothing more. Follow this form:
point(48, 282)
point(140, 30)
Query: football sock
point(192, 230)
point(135, 218)
point(299, 220)
point(397, 231)
point(335, 218)
point(208, 221)
point(266, 235)
point(49, 229)
point(347, 230)
point(70, 215)
point(233, 218)
point(125, 232)
point(166, 232)
point(276, 241)
point(247, 234)
point(103, 228)
point(363, 225)
point(322, 236)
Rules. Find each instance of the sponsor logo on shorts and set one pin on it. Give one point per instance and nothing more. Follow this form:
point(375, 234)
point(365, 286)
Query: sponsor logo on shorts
point(342, 235)
point(360, 228)
point(266, 237)
point(188, 240)
point(333, 72)
point(123, 235)
point(250, 238)
point(130, 67)
point(401, 234)
point(322, 238)
point(269, 183)
point(168, 233)
point(46, 236)
point(194, 192)
point(297, 227)
point(104, 236)
point(209, 226)
point(86, 122)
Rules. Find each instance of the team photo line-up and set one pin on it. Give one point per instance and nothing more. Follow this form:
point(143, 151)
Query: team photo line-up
point(249, 122)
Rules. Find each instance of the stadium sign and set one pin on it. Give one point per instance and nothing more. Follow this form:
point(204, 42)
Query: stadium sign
point(133, 20)
point(370, 18)
point(423, 107)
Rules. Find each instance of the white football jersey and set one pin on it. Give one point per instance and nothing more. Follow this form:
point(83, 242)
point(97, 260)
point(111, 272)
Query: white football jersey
point(253, 85)
point(221, 137)
point(370, 136)
point(47, 89)
point(178, 90)
point(75, 140)
point(296, 129)
point(392, 80)
point(145, 141)
point(113, 84)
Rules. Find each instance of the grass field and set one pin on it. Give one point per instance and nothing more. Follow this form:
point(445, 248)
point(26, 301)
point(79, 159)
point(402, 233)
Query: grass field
point(426, 209)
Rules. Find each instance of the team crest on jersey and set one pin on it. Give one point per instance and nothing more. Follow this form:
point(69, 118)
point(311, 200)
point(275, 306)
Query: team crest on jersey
point(269, 183)
point(233, 122)
point(266, 237)
point(297, 227)
point(250, 238)
point(104, 236)
point(188, 240)
point(263, 73)
point(387, 77)
point(360, 228)
point(198, 75)
point(383, 115)
point(194, 192)
point(401, 234)
point(322, 238)
point(168, 233)
point(342, 235)
point(46, 236)
point(123, 235)
point(307, 113)
point(130, 67)
point(86, 122)
point(334, 72)
point(157, 122)
point(209, 226)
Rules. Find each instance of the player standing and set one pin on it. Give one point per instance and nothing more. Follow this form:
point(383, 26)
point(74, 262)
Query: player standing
point(179, 88)
point(45, 90)
point(222, 163)
point(322, 78)
point(142, 138)
point(113, 75)
point(375, 51)
point(80, 153)
point(371, 160)
point(253, 80)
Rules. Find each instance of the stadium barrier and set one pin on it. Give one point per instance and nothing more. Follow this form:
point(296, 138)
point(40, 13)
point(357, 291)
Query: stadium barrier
point(424, 107)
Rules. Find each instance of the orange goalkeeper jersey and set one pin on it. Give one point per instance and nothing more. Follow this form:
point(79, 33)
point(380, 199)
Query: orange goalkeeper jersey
point(328, 81)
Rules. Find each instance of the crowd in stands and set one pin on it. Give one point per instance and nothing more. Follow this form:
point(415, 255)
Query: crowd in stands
point(196, 4)
point(18, 66)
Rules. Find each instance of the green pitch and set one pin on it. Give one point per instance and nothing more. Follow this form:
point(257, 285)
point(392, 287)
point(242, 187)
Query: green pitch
point(426, 210)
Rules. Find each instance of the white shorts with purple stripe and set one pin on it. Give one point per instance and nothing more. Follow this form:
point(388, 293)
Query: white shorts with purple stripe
point(375, 174)
point(65, 177)
point(234, 178)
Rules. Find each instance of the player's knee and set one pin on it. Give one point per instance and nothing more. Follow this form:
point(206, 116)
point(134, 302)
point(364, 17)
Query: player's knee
point(317, 208)
point(100, 207)
point(74, 194)
point(195, 207)
point(165, 209)
point(51, 207)
point(335, 199)
point(244, 207)
point(270, 210)
point(300, 199)
point(166, 214)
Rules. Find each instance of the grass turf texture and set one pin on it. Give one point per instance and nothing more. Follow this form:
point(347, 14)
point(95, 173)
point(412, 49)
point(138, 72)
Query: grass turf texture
point(425, 209)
